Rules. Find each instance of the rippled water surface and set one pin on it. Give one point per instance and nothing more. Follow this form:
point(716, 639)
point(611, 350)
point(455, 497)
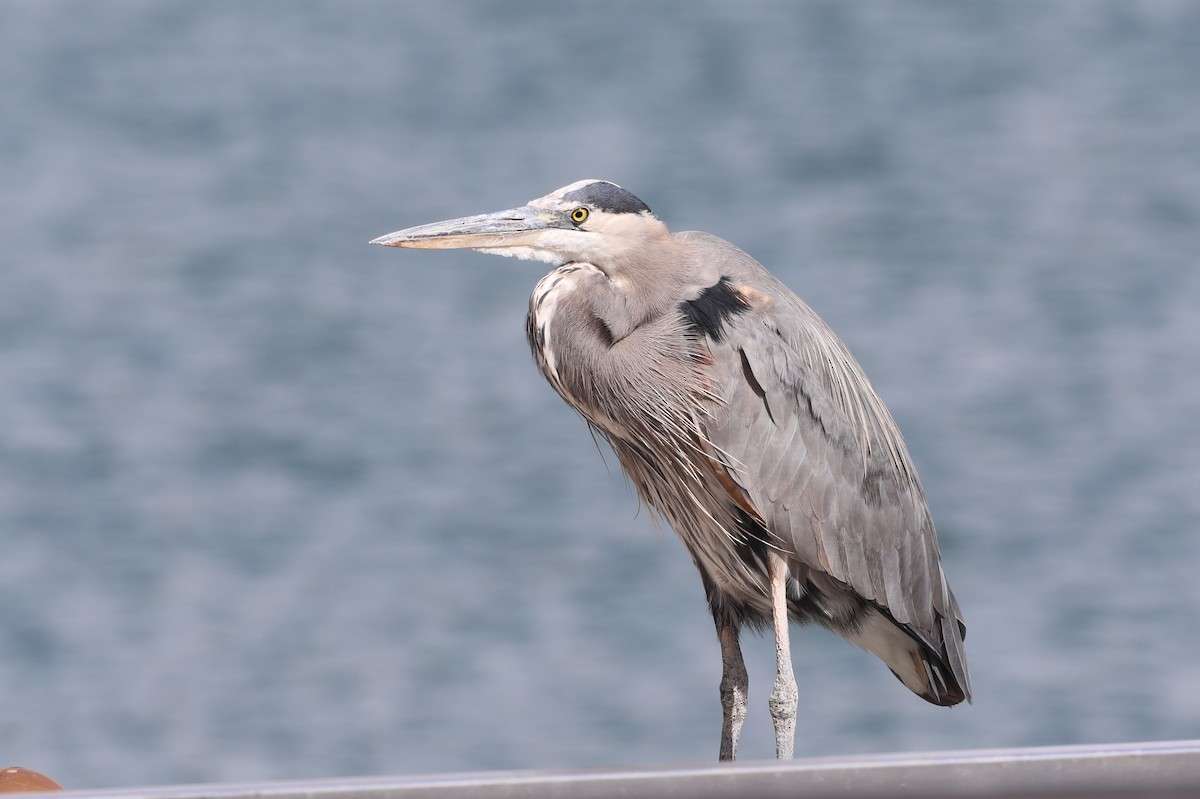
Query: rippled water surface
point(277, 504)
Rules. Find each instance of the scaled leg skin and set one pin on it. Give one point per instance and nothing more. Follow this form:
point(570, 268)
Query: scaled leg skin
point(734, 686)
point(784, 697)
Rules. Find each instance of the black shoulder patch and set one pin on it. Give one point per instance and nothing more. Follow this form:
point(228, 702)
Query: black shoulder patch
point(706, 315)
point(610, 197)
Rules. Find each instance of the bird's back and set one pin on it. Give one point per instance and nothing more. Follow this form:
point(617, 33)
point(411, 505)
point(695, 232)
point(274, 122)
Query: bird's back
point(742, 419)
point(823, 465)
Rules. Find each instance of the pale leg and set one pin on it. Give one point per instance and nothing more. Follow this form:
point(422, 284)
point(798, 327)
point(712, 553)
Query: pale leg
point(784, 697)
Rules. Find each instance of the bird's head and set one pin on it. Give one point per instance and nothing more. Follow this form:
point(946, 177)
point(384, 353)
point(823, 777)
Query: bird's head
point(592, 221)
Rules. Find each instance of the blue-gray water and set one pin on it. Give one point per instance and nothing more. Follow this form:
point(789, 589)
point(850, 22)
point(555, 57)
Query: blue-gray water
point(278, 504)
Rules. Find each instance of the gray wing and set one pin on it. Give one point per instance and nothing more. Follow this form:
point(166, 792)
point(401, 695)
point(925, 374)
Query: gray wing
point(807, 438)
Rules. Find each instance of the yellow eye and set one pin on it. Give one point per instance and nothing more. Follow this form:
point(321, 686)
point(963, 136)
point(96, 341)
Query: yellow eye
point(579, 216)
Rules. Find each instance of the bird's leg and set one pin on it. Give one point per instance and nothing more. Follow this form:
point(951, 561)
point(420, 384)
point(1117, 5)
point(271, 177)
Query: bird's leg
point(734, 686)
point(784, 697)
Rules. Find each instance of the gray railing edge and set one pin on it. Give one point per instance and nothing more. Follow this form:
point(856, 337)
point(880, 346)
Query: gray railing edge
point(1151, 769)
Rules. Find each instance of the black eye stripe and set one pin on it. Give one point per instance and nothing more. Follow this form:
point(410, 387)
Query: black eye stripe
point(605, 196)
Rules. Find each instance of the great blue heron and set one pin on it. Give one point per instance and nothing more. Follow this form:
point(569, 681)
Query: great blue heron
point(746, 422)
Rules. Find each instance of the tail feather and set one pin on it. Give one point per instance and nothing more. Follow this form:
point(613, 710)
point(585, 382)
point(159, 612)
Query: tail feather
point(937, 677)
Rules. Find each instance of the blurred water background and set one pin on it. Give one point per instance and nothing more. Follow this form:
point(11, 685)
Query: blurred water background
point(277, 504)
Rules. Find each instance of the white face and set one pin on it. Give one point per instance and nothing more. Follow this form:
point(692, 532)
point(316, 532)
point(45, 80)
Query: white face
point(588, 221)
point(599, 237)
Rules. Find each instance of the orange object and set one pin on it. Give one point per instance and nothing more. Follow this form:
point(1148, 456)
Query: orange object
point(15, 779)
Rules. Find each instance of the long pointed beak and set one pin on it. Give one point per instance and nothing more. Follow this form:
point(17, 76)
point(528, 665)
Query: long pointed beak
point(513, 228)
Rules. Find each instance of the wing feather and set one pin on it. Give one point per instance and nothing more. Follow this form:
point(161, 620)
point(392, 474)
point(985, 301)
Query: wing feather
point(823, 463)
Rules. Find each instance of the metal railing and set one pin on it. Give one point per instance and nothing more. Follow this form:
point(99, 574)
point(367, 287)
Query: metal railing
point(1150, 770)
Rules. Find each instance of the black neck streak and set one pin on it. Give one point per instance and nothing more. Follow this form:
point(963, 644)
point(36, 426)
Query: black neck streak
point(707, 314)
